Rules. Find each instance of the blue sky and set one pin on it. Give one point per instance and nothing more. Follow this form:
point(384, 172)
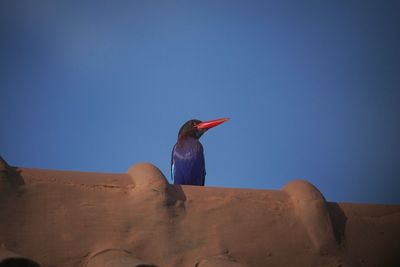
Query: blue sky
point(311, 87)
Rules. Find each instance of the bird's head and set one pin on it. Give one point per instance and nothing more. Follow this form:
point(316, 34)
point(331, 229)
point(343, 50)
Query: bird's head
point(196, 128)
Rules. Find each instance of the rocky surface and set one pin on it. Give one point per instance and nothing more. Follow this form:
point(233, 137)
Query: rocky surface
point(54, 218)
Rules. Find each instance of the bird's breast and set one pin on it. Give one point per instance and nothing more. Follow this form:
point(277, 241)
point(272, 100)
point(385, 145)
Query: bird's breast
point(187, 149)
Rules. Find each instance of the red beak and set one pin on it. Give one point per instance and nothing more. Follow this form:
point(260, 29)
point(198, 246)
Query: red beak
point(210, 124)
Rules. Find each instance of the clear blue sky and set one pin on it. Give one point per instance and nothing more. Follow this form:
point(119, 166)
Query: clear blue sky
point(312, 89)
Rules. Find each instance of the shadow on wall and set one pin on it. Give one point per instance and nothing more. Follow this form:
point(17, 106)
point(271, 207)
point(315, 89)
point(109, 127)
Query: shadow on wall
point(175, 195)
point(18, 262)
point(339, 220)
point(11, 259)
point(9, 175)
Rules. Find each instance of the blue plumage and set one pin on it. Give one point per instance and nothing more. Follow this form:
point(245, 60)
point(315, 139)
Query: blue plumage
point(187, 159)
point(188, 165)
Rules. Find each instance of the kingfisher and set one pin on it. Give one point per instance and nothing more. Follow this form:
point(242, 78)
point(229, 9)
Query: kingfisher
point(187, 159)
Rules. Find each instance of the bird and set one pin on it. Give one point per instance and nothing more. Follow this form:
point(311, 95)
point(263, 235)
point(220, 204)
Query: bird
point(187, 157)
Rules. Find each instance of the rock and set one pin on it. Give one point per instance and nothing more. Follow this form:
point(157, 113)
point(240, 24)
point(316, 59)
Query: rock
point(148, 177)
point(310, 208)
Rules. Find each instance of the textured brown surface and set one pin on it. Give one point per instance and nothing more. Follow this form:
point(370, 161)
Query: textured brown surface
point(65, 219)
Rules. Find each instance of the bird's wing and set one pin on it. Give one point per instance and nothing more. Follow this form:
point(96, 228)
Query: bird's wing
point(203, 164)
